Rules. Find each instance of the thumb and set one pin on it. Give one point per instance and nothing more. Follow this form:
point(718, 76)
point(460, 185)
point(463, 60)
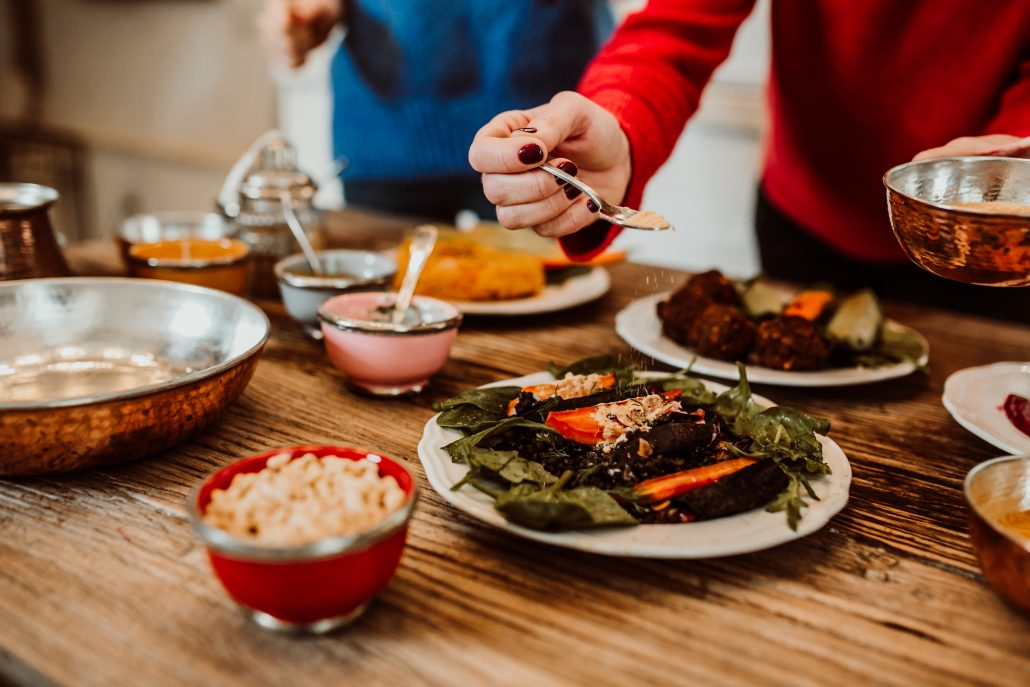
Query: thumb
point(562, 118)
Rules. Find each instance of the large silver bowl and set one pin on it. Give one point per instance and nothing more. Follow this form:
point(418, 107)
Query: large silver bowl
point(987, 242)
point(98, 370)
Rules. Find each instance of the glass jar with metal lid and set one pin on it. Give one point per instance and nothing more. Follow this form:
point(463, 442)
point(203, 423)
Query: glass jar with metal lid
point(260, 190)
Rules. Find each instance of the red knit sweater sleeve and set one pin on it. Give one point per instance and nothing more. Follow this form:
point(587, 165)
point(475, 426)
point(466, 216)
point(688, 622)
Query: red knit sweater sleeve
point(650, 76)
point(1013, 116)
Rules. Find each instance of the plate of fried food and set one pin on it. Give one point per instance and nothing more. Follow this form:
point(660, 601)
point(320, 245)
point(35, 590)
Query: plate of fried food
point(601, 457)
point(790, 337)
point(491, 271)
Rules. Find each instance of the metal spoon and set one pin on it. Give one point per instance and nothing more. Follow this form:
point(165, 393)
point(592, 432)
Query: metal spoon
point(422, 241)
point(615, 214)
point(293, 222)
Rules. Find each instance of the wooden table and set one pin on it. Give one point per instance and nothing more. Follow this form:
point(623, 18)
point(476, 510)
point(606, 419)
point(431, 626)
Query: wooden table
point(102, 581)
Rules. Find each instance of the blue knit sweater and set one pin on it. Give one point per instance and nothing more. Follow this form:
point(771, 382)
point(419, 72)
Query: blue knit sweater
point(415, 79)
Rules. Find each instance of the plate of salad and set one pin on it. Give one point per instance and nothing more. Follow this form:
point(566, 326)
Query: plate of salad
point(602, 457)
point(808, 337)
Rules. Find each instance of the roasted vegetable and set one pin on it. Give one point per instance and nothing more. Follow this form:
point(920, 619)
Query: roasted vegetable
point(670, 486)
point(751, 487)
point(857, 322)
point(762, 299)
point(570, 386)
point(582, 425)
point(808, 304)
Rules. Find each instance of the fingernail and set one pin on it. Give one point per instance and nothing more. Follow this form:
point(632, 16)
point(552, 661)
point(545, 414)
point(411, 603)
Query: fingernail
point(528, 129)
point(569, 167)
point(530, 154)
point(571, 192)
point(592, 206)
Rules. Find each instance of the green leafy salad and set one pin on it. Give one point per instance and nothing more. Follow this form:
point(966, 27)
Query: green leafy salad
point(604, 445)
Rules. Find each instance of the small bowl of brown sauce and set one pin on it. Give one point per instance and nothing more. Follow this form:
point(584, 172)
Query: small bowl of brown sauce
point(343, 271)
point(998, 493)
point(964, 218)
point(215, 263)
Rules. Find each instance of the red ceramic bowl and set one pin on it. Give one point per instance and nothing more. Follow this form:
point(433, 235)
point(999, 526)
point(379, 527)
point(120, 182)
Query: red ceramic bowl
point(315, 587)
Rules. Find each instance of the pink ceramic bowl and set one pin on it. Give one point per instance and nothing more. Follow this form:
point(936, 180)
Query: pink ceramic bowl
point(383, 358)
point(315, 587)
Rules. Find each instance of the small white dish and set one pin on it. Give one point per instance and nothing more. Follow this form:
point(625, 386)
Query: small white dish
point(347, 271)
point(570, 293)
point(743, 533)
point(974, 397)
point(639, 326)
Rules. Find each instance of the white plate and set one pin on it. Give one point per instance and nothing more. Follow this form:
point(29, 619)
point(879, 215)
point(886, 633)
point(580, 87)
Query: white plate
point(974, 396)
point(639, 326)
point(751, 531)
point(570, 293)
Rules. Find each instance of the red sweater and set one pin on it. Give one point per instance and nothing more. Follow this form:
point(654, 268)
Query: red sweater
point(856, 87)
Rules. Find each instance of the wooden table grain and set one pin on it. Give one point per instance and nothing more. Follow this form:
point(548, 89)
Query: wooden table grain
point(102, 581)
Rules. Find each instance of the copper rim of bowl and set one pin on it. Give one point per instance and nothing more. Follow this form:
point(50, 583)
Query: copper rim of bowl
point(241, 549)
point(311, 281)
point(970, 476)
point(890, 173)
point(191, 263)
point(184, 380)
point(376, 328)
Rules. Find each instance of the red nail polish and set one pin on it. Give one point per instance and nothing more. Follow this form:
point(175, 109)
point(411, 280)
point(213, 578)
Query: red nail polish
point(569, 167)
point(592, 206)
point(571, 192)
point(528, 129)
point(530, 154)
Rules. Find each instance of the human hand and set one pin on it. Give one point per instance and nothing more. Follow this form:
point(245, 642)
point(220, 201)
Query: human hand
point(290, 29)
point(569, 128)
point(995, 144)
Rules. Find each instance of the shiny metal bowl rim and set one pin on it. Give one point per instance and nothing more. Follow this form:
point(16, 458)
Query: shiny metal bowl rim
point(190, 263)
point(890, 173)
point(26, 197)
point(232, 546)
point(175, 217)
point(973, 472)
point(376, 328)
point(303, 281)
point(184, 380)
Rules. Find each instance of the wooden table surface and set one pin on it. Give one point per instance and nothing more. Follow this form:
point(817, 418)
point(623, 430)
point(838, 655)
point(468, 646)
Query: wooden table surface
point(103, 582)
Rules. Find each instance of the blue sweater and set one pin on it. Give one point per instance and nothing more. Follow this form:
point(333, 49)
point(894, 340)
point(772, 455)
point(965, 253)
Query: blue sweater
point(415, 79)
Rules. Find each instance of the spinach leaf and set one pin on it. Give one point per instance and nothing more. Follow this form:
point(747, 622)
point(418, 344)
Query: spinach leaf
point(787, 433)
point(460, 449)
point(555, 508)
point(506, 466)
point(599, 364)
point(735, 405)
point(694, 391)
point(474, 410)
point(788, 436)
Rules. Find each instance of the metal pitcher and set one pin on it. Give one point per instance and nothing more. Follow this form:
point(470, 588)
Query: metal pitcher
point(28, 247)
point(255, 195)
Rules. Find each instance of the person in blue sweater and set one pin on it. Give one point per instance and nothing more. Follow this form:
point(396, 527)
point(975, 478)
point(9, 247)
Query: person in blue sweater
point(415, 79)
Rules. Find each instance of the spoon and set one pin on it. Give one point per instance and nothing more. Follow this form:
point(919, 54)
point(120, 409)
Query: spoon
point(293, 222)
point(422, 241)
point(624, 217)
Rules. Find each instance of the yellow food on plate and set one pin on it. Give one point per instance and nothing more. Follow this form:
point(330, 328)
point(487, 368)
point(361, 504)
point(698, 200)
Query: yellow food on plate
point(463, 269)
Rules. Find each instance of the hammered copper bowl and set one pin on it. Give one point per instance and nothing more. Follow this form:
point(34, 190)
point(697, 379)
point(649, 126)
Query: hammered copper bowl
point(99, 370)
point(993, 490)
point(987, 245)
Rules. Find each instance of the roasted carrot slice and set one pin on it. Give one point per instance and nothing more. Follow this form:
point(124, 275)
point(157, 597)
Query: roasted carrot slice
point(808, 304)
point(668, 487)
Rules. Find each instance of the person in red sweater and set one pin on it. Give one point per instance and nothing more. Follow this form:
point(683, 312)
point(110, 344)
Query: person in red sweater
point(855, 88)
